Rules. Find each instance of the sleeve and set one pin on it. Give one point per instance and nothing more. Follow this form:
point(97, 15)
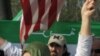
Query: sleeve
point(11, 50)
point(84, 45)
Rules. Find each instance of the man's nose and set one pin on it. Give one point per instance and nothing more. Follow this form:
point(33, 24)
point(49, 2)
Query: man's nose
point(53, 48)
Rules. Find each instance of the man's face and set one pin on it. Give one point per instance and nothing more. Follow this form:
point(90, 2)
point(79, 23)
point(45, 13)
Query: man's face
point(96, 48)
point(55, 49)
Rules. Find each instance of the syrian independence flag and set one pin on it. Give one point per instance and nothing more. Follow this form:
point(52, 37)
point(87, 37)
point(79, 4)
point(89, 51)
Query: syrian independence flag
point(38, 15)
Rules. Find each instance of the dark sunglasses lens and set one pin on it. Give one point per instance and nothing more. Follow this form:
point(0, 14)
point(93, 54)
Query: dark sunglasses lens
point(97, 50)
point(54, 44)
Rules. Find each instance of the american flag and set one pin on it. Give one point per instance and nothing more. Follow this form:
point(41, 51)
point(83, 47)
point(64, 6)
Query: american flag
point(38, 15)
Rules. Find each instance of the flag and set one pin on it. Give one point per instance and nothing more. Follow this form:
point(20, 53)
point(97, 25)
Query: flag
point(38, 15)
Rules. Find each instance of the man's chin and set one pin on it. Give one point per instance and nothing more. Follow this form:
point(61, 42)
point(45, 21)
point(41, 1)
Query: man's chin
point(53, 54)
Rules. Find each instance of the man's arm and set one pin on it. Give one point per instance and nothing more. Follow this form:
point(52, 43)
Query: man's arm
point(85, 38)
point(86, 13)
point(9, 49)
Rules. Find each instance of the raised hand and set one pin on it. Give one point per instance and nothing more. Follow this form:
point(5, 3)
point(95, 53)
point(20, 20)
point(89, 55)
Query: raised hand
point(88, 9)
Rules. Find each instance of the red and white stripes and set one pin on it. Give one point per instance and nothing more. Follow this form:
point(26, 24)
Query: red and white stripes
point(38, 15)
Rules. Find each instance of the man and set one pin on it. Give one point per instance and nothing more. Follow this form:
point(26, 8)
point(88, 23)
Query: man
point(85, 36)
point(9, 49)
point(57, 45)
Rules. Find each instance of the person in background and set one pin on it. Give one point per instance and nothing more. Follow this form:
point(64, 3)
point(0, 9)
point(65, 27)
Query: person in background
point(33, 49)
point(8, 48)
point(36, 49)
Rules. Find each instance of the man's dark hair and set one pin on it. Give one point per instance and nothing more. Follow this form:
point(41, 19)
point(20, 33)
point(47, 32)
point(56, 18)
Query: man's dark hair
point(1, 53)
point(66, 53)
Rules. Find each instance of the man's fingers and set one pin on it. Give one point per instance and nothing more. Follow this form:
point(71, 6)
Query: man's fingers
point(92, 11)
point(86, 2)
point(91, 5)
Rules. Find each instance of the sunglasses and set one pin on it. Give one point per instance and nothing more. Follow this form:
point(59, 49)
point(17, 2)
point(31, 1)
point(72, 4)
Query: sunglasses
point(54, 45)
point(95, 50)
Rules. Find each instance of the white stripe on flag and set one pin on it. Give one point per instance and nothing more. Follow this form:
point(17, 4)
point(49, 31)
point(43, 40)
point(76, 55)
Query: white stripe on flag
point(35, 13)
point(60, 5)
point(34, 9)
